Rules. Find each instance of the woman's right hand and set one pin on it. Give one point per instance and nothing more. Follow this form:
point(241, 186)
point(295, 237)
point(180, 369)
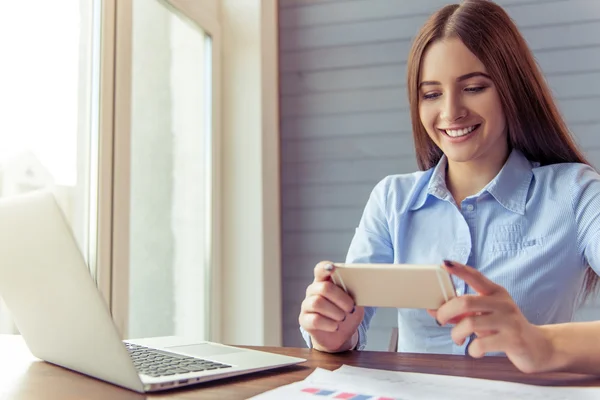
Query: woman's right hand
point(329, 314)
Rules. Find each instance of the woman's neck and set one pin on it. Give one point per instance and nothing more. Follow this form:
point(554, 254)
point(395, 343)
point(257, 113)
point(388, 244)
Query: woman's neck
point(464, 179)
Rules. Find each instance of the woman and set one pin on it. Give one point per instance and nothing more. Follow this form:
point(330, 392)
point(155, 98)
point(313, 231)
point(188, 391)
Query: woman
point(503, 189)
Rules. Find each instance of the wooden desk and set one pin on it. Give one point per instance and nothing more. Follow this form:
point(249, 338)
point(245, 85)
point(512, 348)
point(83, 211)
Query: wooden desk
point(23, 377)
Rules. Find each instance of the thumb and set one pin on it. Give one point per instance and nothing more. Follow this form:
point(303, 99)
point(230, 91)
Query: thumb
point(323, 271)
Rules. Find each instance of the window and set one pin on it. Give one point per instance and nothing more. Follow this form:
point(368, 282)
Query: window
point(170, 167)
point(124, 128)
point(49, 103)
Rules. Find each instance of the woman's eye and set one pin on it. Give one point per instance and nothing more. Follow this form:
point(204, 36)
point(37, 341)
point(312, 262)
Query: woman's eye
point(475, 89)
point(430, 96)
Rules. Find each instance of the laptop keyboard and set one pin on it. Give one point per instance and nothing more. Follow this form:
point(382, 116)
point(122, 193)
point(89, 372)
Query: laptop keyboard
point(157, 363)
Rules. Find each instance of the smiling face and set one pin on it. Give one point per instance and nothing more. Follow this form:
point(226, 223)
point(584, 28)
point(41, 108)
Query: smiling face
point(459, 105)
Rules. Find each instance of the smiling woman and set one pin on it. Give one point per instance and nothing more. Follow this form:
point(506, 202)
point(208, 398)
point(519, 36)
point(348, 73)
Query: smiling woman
point(460, 107)
point(519, 111)
point(504, 190)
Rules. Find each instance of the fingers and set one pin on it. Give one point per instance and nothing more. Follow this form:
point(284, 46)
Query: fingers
point(323, 286)
point(333, 293)
point(456, 309)
point(488, 344)
point(323, 271)
point(472, 277)
point(481, 325)
point(326, 305)
point(316, 322)
point(320, 305)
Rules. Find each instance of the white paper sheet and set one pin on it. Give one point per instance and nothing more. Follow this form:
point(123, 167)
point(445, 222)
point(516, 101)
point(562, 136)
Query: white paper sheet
point(429, 386)
point(370, 384)
point(325, 384)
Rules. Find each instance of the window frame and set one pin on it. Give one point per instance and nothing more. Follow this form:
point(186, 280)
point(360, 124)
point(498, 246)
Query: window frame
point(112, 255)
point(245, 304)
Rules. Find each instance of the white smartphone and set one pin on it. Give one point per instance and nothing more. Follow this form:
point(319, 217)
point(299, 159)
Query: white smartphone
point(395, 285)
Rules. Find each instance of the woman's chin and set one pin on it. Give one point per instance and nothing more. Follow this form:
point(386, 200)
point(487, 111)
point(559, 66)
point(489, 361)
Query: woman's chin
point(459, 156)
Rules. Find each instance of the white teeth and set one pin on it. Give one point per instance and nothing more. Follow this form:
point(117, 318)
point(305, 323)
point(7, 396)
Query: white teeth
point(459, 132)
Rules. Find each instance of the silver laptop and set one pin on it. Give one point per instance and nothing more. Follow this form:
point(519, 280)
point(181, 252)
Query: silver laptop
point(62, 317)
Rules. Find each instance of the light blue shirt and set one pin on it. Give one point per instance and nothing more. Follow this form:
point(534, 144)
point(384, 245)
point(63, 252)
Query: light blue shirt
point(532, 230)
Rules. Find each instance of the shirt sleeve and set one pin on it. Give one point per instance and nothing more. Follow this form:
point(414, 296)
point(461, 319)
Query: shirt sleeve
point(371, 244)
point(585, 191)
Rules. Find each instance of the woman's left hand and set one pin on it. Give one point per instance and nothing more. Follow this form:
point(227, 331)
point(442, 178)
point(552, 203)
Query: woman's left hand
point(496, 320)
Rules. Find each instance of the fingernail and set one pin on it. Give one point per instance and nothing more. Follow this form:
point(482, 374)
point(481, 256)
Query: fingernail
point(468, 345)
point(353, 309)
point(448, 263)
point(328, 267)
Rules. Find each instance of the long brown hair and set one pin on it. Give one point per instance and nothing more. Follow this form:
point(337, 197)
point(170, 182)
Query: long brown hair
point(535, 126)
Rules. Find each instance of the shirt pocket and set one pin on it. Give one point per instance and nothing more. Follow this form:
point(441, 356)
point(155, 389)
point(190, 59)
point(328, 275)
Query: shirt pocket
point(510, 239)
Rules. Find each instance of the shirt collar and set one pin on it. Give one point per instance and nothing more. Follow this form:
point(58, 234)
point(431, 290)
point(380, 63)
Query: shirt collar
point(436, 187)
point(509, 187)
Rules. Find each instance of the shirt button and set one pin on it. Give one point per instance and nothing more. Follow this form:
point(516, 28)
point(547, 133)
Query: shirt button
point(470, 207)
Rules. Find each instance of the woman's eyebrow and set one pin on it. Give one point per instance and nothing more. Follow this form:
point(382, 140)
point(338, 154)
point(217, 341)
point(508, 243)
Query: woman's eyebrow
point(459, 79)
point(471, 75)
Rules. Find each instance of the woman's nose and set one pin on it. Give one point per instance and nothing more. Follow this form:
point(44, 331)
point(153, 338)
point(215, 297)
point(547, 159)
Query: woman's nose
point(453, 109)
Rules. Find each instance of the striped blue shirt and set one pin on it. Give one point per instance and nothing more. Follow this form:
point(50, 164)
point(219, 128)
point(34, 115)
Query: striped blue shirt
point(533, 230)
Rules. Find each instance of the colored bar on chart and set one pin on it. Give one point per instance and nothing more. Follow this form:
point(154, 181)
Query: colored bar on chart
point(324, 392)
point(310, 390)
point(345, 396)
